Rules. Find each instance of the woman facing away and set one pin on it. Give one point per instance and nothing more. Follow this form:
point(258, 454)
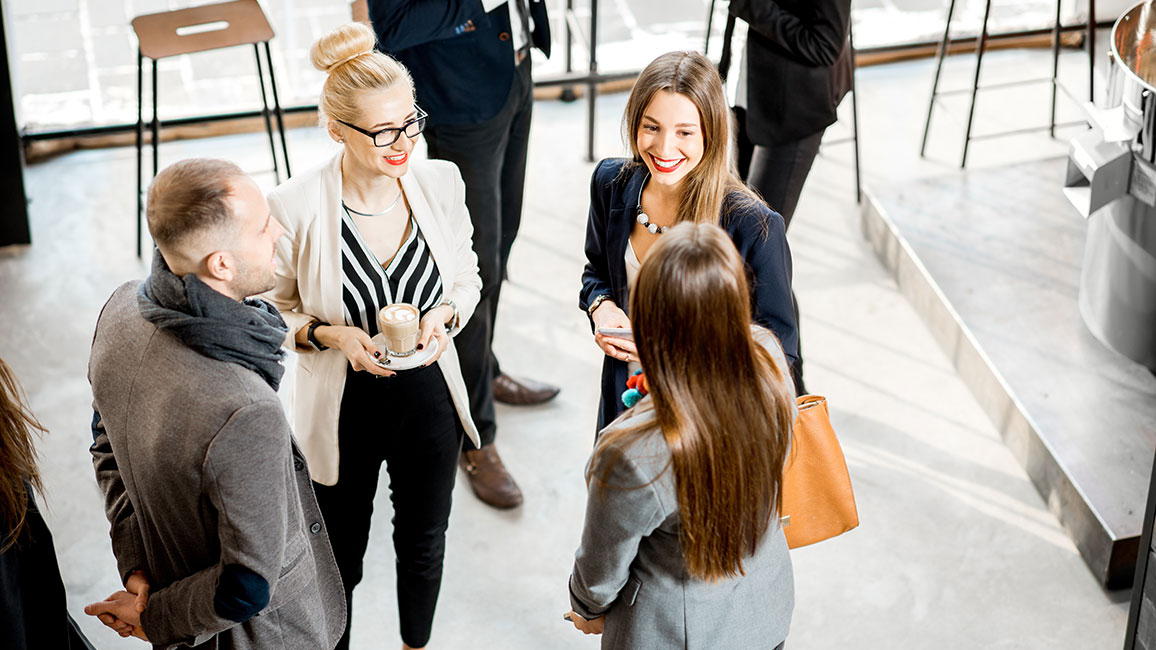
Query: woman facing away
point(31, 590)
point(677, 125)
point(682, 546)
point(368, 229)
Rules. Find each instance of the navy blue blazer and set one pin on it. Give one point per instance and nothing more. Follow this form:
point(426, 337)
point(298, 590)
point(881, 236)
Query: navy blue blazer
point(461, 58)
point(757, 231)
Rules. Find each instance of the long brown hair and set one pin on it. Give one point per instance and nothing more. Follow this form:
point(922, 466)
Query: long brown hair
point(692, 75)
point(721, 401)
point(17, 456)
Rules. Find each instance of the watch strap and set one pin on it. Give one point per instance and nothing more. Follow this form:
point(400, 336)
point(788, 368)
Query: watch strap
point(311, 335)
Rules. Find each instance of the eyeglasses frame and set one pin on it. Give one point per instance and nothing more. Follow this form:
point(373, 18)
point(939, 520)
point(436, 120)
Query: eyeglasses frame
point(422, 115)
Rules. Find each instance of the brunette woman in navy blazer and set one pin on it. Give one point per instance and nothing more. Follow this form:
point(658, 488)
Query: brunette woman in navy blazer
point(677, 122)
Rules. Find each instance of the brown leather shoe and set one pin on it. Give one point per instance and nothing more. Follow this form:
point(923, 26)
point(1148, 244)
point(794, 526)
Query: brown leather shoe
point(522, 392)
point(489, 478)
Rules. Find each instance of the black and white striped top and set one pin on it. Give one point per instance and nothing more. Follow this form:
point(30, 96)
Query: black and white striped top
point(367, 286)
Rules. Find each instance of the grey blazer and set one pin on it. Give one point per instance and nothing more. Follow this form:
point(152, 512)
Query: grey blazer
point(630, 566)
point(199, 470)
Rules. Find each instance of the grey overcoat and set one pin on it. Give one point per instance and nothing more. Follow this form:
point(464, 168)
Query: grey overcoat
point(630, 566)
point(199, 470)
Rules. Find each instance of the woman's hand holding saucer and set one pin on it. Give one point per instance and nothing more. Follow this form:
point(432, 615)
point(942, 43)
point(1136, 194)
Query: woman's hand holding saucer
point(610, 316)
point(433, 326)
point(356, 345)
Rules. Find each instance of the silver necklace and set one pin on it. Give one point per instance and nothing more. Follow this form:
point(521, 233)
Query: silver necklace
point(374, 214)
point(644, 218)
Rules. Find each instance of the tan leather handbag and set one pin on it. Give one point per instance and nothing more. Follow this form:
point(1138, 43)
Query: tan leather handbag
point(817, 499)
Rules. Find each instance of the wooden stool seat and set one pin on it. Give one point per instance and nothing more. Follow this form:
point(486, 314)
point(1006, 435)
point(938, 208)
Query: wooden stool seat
point(199, 29)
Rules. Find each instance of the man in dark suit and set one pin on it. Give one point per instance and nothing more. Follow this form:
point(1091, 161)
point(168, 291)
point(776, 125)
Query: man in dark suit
point(470, 61)
point(797, 70)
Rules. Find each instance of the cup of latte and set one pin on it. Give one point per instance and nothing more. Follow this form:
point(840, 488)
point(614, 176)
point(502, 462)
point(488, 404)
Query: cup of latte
point(399, 326)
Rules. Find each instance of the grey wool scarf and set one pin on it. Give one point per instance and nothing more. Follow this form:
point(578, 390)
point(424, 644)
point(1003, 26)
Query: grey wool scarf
point(248, 333)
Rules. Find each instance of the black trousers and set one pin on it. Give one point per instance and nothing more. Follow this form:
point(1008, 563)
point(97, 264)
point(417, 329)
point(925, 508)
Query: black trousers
point(777, 173)
point(409, 422)
point(492, 159)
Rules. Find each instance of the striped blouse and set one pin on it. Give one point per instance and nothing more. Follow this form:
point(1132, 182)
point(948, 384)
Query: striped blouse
point(367, 286)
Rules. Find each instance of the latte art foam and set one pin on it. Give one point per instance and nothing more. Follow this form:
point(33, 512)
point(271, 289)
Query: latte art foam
point(398, 314)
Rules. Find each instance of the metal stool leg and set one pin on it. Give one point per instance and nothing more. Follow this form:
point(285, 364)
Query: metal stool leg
point(943, 46)
point(139, 151)
point(709, 24)
point(265, 114)
point(1055, 68)
point(156, 125)
point(277, 108)
point(975, 84)
point(1091, 50)
point(854, 113)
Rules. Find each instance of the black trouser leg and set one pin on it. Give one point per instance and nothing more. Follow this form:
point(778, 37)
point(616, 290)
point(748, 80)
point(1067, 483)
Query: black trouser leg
point(419, 445)
point(514, 179)
point(421, 470)
point(492, 160)
point(777, 173)
point(347, 506)
point(744, 148)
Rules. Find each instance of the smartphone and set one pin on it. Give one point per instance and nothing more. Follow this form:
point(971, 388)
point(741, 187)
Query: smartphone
point(617, 332)
point(566, 617)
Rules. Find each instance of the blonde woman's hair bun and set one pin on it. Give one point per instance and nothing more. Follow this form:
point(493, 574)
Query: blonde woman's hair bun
point(354, 68)
point(341, 46)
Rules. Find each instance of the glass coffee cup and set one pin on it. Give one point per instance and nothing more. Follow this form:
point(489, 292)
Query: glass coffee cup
point(400, 324)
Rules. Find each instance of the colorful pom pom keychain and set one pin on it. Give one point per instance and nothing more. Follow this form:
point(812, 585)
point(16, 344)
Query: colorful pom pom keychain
point(635, 389)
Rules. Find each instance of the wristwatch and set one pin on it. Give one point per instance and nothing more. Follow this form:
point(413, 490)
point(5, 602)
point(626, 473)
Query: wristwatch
point(594, 304)
point(312, 337)
point(453, 323)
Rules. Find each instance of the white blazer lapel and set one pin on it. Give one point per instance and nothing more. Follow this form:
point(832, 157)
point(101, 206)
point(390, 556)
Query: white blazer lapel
point(329, 231)
point(431, 224)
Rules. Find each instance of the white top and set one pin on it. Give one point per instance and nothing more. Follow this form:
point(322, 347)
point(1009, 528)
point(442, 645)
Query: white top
point(632, 266)
point(517, 34)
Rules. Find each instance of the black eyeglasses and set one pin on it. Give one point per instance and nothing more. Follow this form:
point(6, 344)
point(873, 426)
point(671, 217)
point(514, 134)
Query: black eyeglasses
point(382, 138)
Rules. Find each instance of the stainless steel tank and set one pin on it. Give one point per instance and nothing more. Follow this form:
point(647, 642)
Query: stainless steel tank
point(1112, 181)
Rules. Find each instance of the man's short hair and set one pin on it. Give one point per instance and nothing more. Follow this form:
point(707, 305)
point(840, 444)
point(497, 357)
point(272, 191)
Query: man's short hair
point(188, 198)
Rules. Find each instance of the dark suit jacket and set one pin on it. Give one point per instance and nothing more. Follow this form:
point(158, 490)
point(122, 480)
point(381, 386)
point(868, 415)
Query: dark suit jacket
point(798, 66)
point(461, 58)
point(757, 231)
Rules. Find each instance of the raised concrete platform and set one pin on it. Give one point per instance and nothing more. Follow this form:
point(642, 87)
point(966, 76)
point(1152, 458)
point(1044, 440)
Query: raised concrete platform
point(991, 261)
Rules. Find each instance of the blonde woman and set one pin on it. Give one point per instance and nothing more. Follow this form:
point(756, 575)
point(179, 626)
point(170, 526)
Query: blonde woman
point(676, 124)
point(370, 228)
point(682, 546)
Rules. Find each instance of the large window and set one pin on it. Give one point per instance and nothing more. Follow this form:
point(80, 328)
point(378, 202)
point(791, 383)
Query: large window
point(74, 61)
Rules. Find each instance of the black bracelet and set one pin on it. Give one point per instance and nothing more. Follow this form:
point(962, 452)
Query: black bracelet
point(312, 337)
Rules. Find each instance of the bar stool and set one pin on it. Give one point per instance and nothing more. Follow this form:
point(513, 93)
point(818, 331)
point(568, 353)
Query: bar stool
point(981, 45)
point(200, 29)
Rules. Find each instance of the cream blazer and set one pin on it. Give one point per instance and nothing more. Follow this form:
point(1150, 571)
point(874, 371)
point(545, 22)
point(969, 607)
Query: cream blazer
point(309, 279)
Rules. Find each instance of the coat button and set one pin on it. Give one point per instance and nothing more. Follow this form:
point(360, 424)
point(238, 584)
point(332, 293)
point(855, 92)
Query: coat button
point(298, 465)
point(315, 528)
point(504, 36)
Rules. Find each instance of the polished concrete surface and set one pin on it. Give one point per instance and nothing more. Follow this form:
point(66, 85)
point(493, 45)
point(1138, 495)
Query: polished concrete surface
point(992, 262)
point(955, 550)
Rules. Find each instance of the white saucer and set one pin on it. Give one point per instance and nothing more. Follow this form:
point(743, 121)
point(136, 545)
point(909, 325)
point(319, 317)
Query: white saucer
point(394, 362)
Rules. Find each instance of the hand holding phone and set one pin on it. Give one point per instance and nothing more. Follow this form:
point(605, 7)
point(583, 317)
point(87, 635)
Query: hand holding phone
point(617, 332)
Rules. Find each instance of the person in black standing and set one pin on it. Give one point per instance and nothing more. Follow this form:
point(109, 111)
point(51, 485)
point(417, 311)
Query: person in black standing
point(797, 70)
point(470, 62)
point(31, 590)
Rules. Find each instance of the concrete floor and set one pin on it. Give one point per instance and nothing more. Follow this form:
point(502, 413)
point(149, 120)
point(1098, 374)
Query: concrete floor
point(955, 550)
